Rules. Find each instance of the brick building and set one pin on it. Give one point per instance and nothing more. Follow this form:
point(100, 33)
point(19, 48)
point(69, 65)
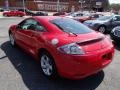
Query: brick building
point(54, 5)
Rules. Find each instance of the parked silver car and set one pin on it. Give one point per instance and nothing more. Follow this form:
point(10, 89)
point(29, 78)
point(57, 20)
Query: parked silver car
point(104, 24)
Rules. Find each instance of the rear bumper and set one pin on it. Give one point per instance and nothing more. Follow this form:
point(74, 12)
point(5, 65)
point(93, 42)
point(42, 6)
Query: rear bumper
point(76, 67)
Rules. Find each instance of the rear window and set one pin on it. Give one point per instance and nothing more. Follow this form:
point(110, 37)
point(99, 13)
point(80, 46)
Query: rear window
point(104, 18)
point(71, 26)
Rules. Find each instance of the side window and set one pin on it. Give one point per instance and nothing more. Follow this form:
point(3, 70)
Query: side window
point(31, 24)
point(28, 24)
point(95, 16)
point(117, 18)
point(79, 14)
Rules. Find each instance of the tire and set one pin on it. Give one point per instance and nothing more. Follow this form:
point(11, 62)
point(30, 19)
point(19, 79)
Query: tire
point(102, 29)
point(12, 40)
point(5, 15)
point(19, 15)
point(47, 64)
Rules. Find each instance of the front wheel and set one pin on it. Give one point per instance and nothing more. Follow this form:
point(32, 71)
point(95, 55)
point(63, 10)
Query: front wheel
point(102, 29)
point(12, 40)
point(47, 65)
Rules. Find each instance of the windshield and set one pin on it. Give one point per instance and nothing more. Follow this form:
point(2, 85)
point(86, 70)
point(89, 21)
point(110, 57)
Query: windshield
point(71, 26)
point(105, 18)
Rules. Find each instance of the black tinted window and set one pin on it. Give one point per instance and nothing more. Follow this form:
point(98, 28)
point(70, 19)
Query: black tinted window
point(71, 26)
point(117, 18)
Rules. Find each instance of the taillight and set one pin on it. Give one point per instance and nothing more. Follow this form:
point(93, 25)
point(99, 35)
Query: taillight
point(72, 48)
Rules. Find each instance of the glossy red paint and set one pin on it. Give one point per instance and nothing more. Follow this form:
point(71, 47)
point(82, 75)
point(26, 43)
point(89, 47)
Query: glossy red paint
point(14, 13)
point(98, 54)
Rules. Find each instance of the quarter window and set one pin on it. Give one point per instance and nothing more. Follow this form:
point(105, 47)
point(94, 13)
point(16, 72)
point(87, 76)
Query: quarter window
point(39, 27)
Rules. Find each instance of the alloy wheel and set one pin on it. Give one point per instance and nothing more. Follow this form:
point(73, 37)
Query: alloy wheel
point(46, 65)
point(12, 41)
point(102, 29)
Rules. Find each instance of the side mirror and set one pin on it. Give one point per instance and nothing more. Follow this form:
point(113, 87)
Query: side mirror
point(112, 20)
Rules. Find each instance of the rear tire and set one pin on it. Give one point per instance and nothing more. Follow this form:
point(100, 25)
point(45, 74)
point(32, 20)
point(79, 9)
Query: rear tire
point(47, 64)
point(19, 15)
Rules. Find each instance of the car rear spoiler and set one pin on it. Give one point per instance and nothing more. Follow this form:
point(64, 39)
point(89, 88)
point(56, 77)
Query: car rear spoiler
point(90, 41)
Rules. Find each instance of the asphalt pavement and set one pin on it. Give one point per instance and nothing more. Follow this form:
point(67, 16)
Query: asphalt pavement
point(19, 71)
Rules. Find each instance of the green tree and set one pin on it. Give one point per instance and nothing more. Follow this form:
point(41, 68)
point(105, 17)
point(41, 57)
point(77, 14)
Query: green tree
point(115, 7)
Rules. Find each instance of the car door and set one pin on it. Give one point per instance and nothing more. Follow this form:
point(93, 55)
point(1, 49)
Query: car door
point(15, 13)
point(37, 39)
point(11, 13)
point(8, 13)
point(24, 34)
point(115, 21)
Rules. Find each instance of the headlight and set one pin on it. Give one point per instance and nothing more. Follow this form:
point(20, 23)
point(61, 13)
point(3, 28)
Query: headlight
point(72, 48)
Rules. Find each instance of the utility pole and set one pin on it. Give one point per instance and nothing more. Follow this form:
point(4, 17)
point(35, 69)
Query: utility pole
point(81, 4)
point(24, 5)
point(90, 5)
point(58, 5)
point(7, 4)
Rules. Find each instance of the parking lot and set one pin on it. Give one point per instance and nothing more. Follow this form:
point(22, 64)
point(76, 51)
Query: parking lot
point(19, 71)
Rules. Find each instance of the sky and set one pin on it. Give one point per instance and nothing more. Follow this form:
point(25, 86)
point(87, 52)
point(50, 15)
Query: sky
point(114, 1)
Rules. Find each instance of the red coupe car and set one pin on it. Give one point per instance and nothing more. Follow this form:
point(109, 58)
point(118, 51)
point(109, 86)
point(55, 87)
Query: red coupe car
point(63, 46)
point(14, 13)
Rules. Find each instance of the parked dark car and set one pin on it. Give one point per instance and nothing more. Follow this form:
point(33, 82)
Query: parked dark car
point(27, 11)
point(115, 34)
point(40, 14)
point(104, 24)
point(59, 13)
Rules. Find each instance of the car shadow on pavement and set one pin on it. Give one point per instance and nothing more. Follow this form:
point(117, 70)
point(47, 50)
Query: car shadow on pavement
point(31, 74)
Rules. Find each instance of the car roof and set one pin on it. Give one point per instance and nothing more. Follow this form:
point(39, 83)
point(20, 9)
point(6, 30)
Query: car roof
point(47, 18)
